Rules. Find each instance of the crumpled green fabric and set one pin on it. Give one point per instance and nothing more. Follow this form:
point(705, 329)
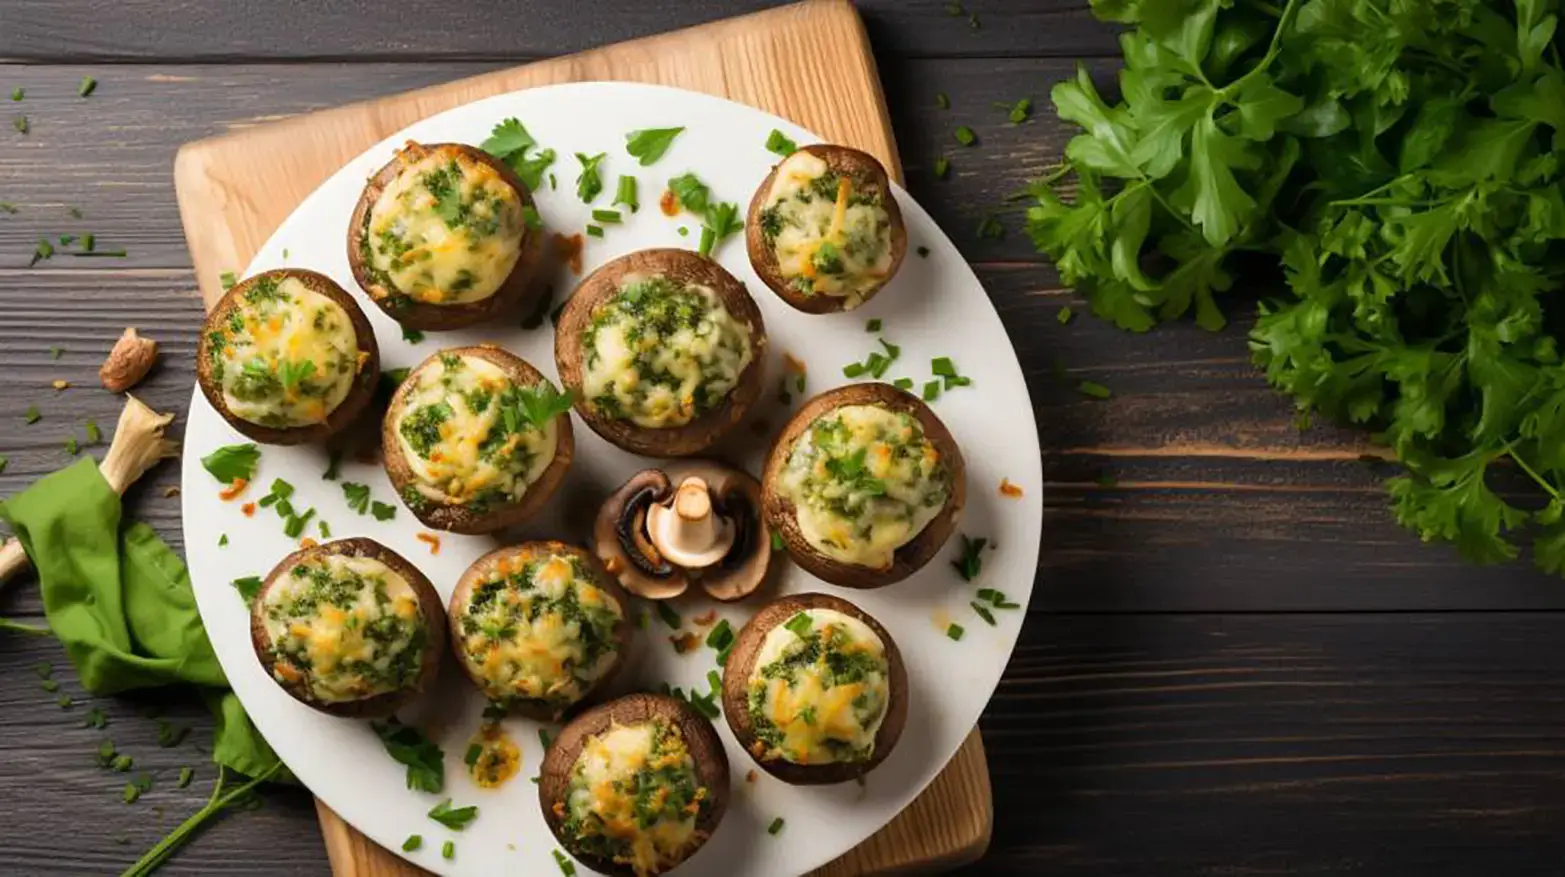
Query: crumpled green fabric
point(121, 603)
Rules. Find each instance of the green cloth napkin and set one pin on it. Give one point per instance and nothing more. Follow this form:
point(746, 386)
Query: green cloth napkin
point(120, 601)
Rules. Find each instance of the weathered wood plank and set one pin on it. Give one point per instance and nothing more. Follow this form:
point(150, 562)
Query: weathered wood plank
point(215, 30)
point(110, 155)
point(1398, 743)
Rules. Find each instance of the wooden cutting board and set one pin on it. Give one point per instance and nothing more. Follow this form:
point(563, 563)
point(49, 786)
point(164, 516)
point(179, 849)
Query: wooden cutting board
point(809, 62)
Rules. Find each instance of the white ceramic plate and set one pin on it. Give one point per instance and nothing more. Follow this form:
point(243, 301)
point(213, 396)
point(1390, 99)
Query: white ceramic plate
point(934, 307)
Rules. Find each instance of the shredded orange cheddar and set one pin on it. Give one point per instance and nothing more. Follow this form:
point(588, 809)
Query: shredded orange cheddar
point(706, 618)
point(248, 509)
point(236, 487)
point(1009, 489)
point(431, 540)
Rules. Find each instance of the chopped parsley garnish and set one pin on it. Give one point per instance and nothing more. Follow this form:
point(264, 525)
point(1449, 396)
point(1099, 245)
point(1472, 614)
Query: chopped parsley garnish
point(1094, 390)
point(20, 124)
point(955, 631)
point(509, 137)
point(965, 136)
point(607, 217)
point(693, 194)
point(942, 166)
point(566, 866)
point(382, 511)
point(357, 495)
point(55, 351)
point(413, 842)
point(945, 369)
point(625, 193)
point(722, 639)
point(16, 93)
point(668, 615)
point(931, 391)
point(43, 251)
point(185, 776)
point(4, 461)
point(1063, 315)
point(227, 279)
point(648, 145)
point(589, 184)
point(222, 540)
point(474, 752)
point(721, 222)
point(594, 231)
point(532, 170)
point(991, 228)
point(412, 336)
point(775, 827)
point(94, 435)
point(997, 599)
point(984, 613)
point(87, 86)
point(971, 561)
point(408, 746)
point(540, 404)
point(454, 818)
point(872, 325)
point(170, 734)
point(777, 143)
point(248, 587)
point(32, 416)
point(95, 719)
point(71, 447)
point(333, 466)
point(942, 100)
point(323, 528)
point(1017, 112)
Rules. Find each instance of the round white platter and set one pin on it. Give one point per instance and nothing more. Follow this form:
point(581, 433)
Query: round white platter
point(934, 307)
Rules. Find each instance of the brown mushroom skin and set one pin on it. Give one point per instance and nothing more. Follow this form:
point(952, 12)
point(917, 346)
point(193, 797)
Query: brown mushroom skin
point(741, 663)
point(359, 395)
point(429, 606)
point(763, 257)
point(457, 517)
point(690, 268)
point(908, 559)
point(706, 751)
point(479, 572)
point(515, 293)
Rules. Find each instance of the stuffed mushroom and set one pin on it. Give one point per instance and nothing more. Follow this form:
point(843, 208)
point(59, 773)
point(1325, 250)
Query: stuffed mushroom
point(664, 351)
point(539, 627)
point(445, 236)
point(349, 628)
point(475, 439)
point(287, 357)
point(815, 690)
point(635, 787)
point(824, 230)
point(864, 485)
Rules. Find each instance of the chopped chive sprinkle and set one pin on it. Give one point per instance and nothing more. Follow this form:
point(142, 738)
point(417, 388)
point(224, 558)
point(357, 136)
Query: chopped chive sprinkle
point(669, 616)
point(607, 217)
point(594, 231)
point(1095, 390)
point(625, 193)
point(854, 369)
point(16, 93)
point(31, 415)
point(954, 632)
point(413, 842)
point(49, 685)
point(776, 826)
point(942, 366)
point(778, 143)
point(872, 326)
point(942, 100)
point(448, 850)
point(799, 624)
point(87, 86)
point(1064, 315)
point(185, 776)
point(903, 383)
point(983, 612)
point(931, 391)
point(991, 228)
point(942, 166)
point(965, 136)
point(566, 866)
point(777, 541)
point(93, 434)
point(708, 240)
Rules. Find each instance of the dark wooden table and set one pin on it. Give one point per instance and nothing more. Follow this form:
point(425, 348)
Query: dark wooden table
point(1234, 662)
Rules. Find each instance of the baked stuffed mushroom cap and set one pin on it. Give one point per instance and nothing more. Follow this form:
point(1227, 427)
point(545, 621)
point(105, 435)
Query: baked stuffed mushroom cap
point(864, 484)
point(287, 357)
point(445, 236)
point(476, 439)
point(646, 742)
point(349, 627)
point(539, 627)
point(664, 351)
point(815, 690)
point(824, 230)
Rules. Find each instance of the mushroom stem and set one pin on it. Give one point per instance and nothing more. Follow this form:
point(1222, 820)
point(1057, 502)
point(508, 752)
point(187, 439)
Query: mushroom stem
point(137, 446)
point(686, 531)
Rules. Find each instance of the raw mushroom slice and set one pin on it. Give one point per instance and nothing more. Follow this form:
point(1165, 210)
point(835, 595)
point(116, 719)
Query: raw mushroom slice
point(695, 520)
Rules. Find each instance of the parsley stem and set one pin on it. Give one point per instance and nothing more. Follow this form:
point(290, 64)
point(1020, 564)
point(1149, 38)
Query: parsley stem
point(165, 848)
point(19, 627)
point(1283, 23)
point(1542, 482)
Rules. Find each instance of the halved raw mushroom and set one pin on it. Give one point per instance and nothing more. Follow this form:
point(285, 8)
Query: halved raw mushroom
point(688, 521)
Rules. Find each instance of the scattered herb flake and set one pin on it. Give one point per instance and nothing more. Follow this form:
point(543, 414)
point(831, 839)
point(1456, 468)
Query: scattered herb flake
point(357, 496)
point(87, 86)
point(227, 279)
point(426, 770)
point(222, 540)
point(776, 826)
point(942, 100)
point(382, 511)
point(589, 184)
point(185, 776)
point(970, 562)
point(232, 462)
point(413, 842)
point(903, 383)
point(649, 144)
point(668, 616)
point(248, 587)
point(955, 631)
point(567, 867)
point(448, 850)
point(965, 136)
point(931, 391)
point(71, 446)
point(412, 336)
point(923, 252)
point(872, 325)
point(777, 143)
point(1094, 390)
point(594, 231)
point(942, 167)
point(31, 416)
point(94, 435)
point(984, 613)
point(454, 818)
point(625, 193)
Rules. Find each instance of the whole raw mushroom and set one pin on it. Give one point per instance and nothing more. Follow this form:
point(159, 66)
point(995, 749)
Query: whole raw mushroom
point(694, 520)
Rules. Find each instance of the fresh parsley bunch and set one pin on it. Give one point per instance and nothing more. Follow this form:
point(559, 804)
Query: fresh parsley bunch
point(1399, 162)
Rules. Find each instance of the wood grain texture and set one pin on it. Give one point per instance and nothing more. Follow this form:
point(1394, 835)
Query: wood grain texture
point(809, 62)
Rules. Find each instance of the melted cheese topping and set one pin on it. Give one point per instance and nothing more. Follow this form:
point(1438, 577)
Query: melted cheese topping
point(660, 354)
point(447, 230)
point(634, 795)
point(830, 232)
point(285, 356)
point(540, 629)
point(465, 435)
point(864, 481)
point(348, 628)
point(819, 690)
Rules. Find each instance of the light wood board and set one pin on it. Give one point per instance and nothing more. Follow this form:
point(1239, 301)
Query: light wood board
point(809, 62)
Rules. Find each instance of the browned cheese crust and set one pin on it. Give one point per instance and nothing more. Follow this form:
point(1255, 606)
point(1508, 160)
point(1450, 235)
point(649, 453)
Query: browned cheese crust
point(513, 295)
point(780, 512)
point(381, 705)
point(741, 664)
point(686, 267)
point(359, 395)
point(456, 517)
point(763, 258)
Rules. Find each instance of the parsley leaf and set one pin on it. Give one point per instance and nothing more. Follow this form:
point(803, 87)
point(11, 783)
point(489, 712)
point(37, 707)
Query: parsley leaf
point(407, 745)
point(508, 138)
point(648, 145)
point(454, 818)
point(357, 495)
point(542, 403)
point(693, 194)
point(232, 462)
point(589, 184)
